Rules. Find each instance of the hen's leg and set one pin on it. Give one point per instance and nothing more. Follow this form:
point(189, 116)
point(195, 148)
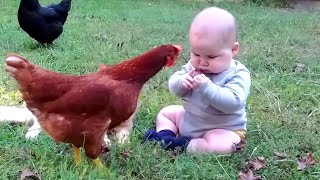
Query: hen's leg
point(93, 144)
point(77, 155)
point(93, 149)
point(124, 129)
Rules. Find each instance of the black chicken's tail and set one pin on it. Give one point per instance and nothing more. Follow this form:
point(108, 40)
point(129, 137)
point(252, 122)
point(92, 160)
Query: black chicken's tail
point(65, 5)
point(62, 9)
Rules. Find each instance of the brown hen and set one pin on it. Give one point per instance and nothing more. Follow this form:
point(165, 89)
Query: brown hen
point(80, 109)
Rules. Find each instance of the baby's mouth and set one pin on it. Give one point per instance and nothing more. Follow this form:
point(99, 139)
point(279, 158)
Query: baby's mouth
point(202, 71)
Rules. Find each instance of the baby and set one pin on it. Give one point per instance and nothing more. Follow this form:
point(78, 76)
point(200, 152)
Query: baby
point(214, 88)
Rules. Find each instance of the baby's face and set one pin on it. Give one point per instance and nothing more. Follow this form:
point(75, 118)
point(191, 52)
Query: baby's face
point(208, 55)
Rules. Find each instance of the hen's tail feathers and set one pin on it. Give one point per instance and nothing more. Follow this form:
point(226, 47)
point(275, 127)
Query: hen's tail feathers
point(62, 9)
point(19, 68)
point(65, 5)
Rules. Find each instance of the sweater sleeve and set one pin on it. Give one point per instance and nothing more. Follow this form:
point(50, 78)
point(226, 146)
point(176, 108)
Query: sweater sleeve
point(230, 97)
point(175, 81)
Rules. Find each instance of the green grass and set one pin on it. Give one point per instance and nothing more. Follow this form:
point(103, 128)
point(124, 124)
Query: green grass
point(283, 108)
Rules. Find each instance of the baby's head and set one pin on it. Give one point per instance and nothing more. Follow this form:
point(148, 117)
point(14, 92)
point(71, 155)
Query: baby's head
point(213, 40)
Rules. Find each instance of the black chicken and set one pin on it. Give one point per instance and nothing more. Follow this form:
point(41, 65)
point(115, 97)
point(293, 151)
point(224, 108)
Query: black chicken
point(44, 24)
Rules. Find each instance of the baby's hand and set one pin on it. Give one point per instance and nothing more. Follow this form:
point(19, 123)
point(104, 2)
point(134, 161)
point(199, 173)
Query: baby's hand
point(198, 80)
point(188, 81)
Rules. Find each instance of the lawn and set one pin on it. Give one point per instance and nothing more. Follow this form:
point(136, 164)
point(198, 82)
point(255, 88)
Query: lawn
point(283, 108)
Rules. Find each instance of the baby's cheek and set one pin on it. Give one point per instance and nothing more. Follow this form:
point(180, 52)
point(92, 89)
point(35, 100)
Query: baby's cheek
point(214, 67)
point(194, 62)
point(217, 67)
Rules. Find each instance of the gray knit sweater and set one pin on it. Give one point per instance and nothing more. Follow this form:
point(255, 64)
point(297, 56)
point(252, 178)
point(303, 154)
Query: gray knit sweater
point(219, 103)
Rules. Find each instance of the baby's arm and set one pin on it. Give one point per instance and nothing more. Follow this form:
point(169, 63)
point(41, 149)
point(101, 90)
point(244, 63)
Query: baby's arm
point(176, 86)
point(230, 97)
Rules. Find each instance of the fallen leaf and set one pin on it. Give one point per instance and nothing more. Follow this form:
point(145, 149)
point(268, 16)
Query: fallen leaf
point(155, 151)
point(240, 146)
point(306, 161)
point(298, 67)
point(174, 153)
point(247, 174)
point(280, 155)
point(257, 164)
point(105, 148)
point(23, 152)
point(126, 154)
point(27, 174)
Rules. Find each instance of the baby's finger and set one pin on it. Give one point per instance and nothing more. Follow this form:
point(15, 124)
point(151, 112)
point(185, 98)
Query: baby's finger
point(187, 84)
point(191, 72)
point(189, 79)
point(197, 80)
point(195, 84)
point(197, 77)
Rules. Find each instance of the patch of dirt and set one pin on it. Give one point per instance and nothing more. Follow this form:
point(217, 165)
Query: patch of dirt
point(302, 5)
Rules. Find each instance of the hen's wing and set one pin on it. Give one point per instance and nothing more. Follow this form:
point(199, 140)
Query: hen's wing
point(86, 98)
point(49, 15)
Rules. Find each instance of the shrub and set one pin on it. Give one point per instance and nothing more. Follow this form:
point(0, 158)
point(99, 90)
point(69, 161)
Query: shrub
point(275, 3)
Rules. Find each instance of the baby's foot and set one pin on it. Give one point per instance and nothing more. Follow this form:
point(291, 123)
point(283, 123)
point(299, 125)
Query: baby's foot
point(152, 135)
point(171, 143)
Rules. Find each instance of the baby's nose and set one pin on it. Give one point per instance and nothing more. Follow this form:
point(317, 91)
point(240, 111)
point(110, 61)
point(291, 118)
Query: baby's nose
point(203, 62)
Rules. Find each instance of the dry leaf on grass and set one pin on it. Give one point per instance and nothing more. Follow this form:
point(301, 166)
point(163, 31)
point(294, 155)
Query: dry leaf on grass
point(250, 167)
point(257, 164)
point(173, 153)
point(306, 161)
point(298, 67)
point(27, 174)
point(126, 154)
point(247, 174)
point(280, 155)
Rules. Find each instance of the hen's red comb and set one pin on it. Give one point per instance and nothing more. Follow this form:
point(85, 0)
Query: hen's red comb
point(178, 47)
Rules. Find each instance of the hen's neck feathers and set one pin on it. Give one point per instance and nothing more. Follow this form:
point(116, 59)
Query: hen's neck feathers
point(139, 69)
point(30, 4)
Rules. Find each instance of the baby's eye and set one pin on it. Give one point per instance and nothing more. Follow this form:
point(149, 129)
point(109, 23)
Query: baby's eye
point(195, 54)
point(212, 57)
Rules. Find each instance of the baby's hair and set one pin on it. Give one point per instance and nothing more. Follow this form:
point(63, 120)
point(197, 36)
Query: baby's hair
point(229, 34)
point(229, 28)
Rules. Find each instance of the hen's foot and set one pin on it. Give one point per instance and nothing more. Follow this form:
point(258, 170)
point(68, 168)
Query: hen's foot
point(77, 155)
point(98, 163)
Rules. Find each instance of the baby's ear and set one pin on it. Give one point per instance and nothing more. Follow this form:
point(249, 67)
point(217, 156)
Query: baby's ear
point(235, 48)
